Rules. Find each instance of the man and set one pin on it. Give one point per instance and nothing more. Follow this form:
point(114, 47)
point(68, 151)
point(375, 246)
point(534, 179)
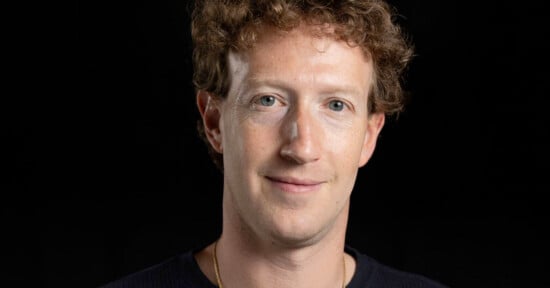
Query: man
point(292, 95)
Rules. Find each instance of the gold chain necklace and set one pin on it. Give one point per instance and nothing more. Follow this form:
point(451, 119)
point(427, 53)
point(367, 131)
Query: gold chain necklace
point(219, 280)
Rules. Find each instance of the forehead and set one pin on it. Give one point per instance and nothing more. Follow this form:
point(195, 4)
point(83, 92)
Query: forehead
point(304, 55)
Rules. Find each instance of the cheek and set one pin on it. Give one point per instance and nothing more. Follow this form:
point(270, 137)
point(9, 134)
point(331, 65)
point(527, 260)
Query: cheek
point(245, 141)
point(345, 148)
point(345, 156)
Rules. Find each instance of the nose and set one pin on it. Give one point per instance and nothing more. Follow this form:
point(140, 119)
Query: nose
point(301, 136)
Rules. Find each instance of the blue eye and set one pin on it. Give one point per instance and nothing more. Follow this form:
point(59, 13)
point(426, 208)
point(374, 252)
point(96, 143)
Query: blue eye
point(267, 100)
point(336, 105)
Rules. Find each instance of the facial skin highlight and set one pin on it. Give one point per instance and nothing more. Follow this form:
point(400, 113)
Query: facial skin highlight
point(298, 103)
point(293, 131)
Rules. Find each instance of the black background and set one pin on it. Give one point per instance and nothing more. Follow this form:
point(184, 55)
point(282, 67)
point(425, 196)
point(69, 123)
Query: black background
point(113, 178)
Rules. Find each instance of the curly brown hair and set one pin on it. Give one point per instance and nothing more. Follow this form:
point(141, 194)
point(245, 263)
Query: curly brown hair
point(221, 26)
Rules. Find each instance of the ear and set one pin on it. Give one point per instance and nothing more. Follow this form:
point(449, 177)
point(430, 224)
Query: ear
point(210, 114)
point(374, 125)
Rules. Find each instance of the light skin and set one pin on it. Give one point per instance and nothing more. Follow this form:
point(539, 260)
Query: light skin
point(293, 130)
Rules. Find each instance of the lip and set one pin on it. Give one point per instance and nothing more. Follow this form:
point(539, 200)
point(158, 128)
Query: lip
point(295, 185)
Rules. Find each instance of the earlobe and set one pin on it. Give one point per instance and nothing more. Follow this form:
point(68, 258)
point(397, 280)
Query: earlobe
point(210, 114)
point(374, 126)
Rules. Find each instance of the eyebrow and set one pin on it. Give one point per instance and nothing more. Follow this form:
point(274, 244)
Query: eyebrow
point(328, 88)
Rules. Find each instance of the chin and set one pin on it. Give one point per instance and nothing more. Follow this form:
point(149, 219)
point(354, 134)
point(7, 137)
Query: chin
point(296, 237)
point(292, 241)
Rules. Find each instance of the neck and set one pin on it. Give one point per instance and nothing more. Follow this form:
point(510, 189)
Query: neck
point(282, 277)
point(265, 263)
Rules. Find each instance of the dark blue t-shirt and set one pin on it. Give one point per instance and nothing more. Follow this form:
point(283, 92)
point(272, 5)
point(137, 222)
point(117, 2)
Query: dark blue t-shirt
point(182, 271)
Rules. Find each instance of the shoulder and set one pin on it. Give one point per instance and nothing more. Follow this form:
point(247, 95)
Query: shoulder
point(391, 277)
point(177, 271)
point(372, 273)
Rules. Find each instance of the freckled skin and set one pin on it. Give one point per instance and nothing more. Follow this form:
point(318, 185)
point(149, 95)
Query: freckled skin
point(294, 130)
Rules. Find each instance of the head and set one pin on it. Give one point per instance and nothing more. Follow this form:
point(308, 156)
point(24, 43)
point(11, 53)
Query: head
point(221, 27)
point(293, 95)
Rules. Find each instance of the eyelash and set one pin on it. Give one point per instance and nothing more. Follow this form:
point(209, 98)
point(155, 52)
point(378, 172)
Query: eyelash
point(345, 105)
point(340, 103)
point(271, 97)
point(257, 102)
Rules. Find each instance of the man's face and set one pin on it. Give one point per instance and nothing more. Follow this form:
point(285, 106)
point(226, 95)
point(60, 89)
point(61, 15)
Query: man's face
point(293, 132)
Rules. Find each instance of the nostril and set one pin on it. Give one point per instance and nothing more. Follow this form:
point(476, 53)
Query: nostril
point(288, 153)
